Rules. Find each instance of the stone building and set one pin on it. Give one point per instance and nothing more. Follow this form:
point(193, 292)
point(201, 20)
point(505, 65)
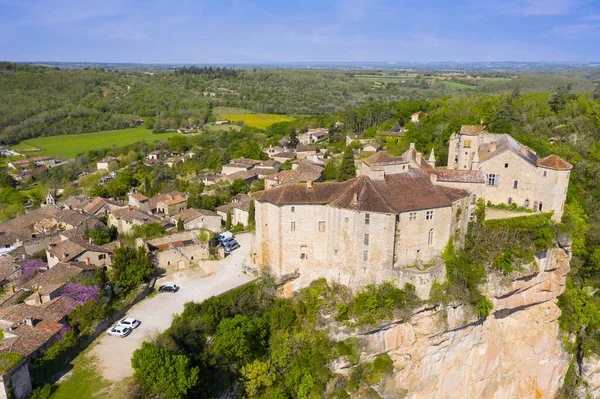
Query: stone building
point(178, 251)
point(363, 231)
point(513, 172)
point(199, 219)
point(124, 219)
point(78, 251)
point(238, 208)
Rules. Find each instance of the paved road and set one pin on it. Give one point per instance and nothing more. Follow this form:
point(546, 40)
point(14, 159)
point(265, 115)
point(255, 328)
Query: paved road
point(114, 353)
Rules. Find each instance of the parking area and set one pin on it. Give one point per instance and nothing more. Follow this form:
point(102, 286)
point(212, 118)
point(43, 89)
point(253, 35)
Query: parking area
point(114, 353)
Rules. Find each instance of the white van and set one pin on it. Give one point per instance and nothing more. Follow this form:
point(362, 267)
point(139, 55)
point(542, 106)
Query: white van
point(224, 236)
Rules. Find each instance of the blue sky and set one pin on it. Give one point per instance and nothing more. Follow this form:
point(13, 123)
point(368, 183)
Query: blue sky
point(223, 31)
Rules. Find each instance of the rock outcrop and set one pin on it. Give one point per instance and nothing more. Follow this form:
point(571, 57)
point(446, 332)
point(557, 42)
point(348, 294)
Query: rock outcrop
point(516, 352)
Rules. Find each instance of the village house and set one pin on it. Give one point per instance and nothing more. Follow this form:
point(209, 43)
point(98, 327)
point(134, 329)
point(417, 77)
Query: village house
point(174, 161)
point(177, 251)
point(199, 219)
point(313, 135)
point(220, 121)
point(303, 171)
point(281, 157)
point(13, 239)
point(272, 150)
point(304, 151)
point(238, 208)
point(371, 147)
point(363, 231)
point(36, 161)
point(101, 206)
point(154, 155)
point(78, 250)
point(417, 115)
point(382, 163)
point(124, 219)
point(104, 163)
point(514, 173)
point(171, 205)
point(239, 165)
point(248, 176)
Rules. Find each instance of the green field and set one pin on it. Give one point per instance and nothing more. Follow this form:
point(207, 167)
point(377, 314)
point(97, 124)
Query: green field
point(220, 111)
point(455, 85)
point(24, 147)
point(68, 146)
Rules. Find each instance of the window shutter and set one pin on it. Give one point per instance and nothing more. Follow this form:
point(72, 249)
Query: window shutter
point(497, 180)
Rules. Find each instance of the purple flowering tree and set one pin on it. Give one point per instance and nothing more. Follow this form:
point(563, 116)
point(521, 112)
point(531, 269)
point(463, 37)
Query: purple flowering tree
point(30, 269)
point(81, 294)
point(63, 331)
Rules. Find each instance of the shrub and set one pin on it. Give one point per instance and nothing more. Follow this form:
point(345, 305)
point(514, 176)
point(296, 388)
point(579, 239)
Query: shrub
point(382, 366)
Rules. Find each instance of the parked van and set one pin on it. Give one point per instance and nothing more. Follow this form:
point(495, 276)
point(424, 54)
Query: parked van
point(224, 236)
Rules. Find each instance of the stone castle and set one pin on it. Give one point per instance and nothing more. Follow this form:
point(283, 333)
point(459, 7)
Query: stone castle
point(394, 220)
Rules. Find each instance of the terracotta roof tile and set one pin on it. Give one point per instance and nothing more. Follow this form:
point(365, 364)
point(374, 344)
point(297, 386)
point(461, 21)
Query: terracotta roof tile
point(554, 162)
point(472, 130)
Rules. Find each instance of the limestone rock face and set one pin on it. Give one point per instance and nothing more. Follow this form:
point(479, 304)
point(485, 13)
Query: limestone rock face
point(590, 374)
point(516, 352)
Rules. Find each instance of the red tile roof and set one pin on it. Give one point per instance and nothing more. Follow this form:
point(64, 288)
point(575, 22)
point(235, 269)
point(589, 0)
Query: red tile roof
point(554, 162)
point(472, 130)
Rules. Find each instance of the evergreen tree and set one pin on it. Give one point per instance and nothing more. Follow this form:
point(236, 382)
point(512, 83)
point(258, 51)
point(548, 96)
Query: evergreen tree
point(180, 226)
point(396, 127)
point(347, 169)
point(228, 221)
point(251, 212)
point(293, 141)
point(597, 92)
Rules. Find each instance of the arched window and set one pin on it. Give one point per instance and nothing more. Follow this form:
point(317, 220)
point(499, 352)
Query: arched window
point(535, 205)
point(526, 203)
point(510, 201)
point(540, 207)
point(430, 238)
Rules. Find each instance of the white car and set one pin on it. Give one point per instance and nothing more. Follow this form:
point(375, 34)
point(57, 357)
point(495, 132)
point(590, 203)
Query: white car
point(129, 322)
point(119, 331)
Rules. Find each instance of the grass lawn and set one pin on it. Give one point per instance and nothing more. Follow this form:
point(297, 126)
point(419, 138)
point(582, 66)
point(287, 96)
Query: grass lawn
point(224, 128)
point(260, 121)
point(85, 381)
point(68, 146)
point(24, 147)
point(455, 85)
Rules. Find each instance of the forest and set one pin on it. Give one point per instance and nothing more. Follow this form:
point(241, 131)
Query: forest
point(44, 101)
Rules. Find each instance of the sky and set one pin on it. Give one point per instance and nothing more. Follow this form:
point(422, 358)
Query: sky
point(257, 31)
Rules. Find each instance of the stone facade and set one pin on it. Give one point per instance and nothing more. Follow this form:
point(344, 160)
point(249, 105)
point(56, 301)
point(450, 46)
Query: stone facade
point(514, 173)
point(342, 242)
point(16, 382)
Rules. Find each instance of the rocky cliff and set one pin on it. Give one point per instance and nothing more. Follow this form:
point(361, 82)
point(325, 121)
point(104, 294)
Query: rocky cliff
point(516, 352)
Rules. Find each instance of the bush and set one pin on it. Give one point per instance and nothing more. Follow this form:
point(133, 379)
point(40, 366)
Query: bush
point(382, 366)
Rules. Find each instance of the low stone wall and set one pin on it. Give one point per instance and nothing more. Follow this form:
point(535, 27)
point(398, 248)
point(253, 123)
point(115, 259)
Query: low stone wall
point(16, 380)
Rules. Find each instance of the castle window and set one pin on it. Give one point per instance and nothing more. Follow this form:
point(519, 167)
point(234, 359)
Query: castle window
point(412, 216)
point(493, 180)
point(346, 221)
point(510, 201)
point(303, 252)
point(366, 240)
point(506, 166)
point(540, 207)
point(515, 184)
point(430, 238)
point(473, 198)
point(293, 226)
point(366, 255)
point(321, 226)
point(367, 218)
point(545, 173)
point(526, 203)
point(101, 256)
point(471, 216)
point(429, 215)
point(293, 209)
point(456, 159)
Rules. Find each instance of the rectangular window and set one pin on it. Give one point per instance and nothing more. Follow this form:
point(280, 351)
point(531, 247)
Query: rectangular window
point(321, 226)
point(366, 255)
point(412, 216)
point(293, 226)
point(473, 198)
point(102, 256)
point(492, 180)
point(515, 184)
point(366, 240)
point(429, 215)
point(545, 173)
point(506, 166)
point(367, 218)
point(346, 221)
point(471, 216)
point(303, 252)
point(335, 252)
point(293, 209)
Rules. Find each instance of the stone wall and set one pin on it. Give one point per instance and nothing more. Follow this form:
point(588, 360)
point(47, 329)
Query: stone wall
point(16, 380)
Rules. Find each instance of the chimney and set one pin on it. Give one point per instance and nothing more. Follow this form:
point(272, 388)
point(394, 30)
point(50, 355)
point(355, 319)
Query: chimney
point(65, 255)
point(524, 149)
point(355, 199)
point(90, 240)
point(433, 178)
point(492, 147)
point(418, 158)
point(309, 184)
point(87, 260)
point(28, 322)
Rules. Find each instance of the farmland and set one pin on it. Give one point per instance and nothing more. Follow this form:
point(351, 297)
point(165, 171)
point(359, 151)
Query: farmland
point(255, 120)
point(68, 146)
